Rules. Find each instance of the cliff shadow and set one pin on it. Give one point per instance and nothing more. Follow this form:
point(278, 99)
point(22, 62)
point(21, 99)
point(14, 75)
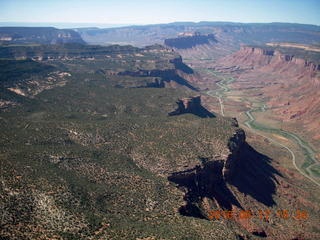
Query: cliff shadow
point(163, 76)
point(253, 175)
point(181, 81)
point(191, 105)
point(204, 182)
point(182, 66)
point(200, 112)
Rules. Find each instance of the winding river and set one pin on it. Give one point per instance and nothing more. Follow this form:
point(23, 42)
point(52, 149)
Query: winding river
point(310, 160)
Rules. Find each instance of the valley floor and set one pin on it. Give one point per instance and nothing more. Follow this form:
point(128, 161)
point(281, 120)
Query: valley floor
point(302, 154)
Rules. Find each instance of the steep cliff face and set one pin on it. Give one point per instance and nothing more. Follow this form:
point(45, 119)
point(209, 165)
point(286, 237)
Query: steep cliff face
point(235, 144)
point(190, 41)
point(160, 78)
point(290, 82)
point(240, 179)
point(191, 105)
point(175, 73)
point(207, 182)
point(275, 60)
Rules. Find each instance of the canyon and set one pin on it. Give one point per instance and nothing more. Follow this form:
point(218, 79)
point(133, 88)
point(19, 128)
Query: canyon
point(289, 84)
point(125, 142)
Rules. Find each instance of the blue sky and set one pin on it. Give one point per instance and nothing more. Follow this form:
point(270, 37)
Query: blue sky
point(162, 11)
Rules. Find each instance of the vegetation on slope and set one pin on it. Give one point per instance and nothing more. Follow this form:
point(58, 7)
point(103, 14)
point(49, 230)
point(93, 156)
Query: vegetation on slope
point(88, 160)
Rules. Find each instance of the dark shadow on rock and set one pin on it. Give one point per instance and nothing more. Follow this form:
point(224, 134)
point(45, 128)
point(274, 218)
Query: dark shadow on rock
point(191, 105)
point(166, 75)
point(179, 64)
point(253, 176)
point(181, 81)
point(204, 182)
point(186, 42)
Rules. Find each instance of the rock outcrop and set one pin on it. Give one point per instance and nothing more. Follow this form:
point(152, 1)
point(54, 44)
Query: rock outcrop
point(236, 142)
point(207, 182)
point(176, 73)
point(218, 185)
point(189, 41)
point(191, 105)
point(162, 79)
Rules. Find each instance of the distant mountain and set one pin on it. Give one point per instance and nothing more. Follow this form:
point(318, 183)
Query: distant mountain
point(60, 25)
point(38, 35)
point(235, 33)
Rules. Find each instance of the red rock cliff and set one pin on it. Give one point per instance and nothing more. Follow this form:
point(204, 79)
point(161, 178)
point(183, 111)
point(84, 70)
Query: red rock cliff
point(292, 84)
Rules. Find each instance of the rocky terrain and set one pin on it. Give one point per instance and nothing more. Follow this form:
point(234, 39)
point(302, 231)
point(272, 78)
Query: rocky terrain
point(290, 83)
point(32, 68)
point(233, 32)
point(88, 159)
point(117, 142)
point(191, 105)
point(190, 40)
point(214, 40)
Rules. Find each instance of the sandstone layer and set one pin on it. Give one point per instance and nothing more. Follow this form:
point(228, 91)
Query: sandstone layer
point(290, 84)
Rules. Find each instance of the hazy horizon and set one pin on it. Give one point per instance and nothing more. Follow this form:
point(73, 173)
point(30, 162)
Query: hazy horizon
point(74, 25)
point(142, 12)
point(61, 24)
